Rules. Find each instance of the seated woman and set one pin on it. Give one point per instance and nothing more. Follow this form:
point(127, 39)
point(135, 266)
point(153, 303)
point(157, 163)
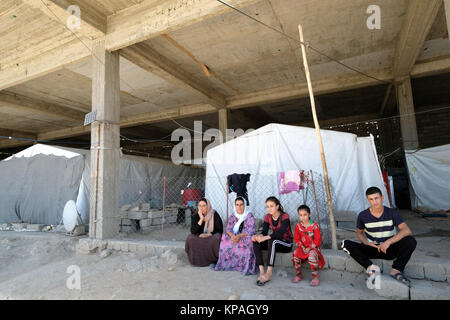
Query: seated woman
point(279, 241)
point(236, 247)
point(202, 245)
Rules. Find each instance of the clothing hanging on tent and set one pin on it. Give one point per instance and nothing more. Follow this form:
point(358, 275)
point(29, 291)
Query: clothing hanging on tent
point(238, 183)
point(293, 180)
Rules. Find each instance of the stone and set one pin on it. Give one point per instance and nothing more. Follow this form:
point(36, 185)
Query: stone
point(352, 266)
point(165, 220)
point(170, 269)
point(251, 295)
point(127, 229)
point(434, 271)
point(5, 226)
point(126, 207)
point(427, 290)
point(125, 222)
point(145, 207)
point(135, 209)
point(35, 227)
point(137, 215)
point(79, 230)
point(170, 257)
point(392, 289)
point(134, 265)
point(116, 245)
point(132, 247)
point(145, 223)
point(105, 253)
point(414, 270)
point(124, 246)
point(140, 248)
point(87, 246)
point(337, 260)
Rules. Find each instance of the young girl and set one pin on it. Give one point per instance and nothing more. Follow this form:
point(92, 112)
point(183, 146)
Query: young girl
point(307, 238)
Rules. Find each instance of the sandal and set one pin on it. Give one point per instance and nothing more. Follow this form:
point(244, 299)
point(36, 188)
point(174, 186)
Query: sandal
point(297, 279)
point(260, 283)
point(400, 277)
point(314, 282)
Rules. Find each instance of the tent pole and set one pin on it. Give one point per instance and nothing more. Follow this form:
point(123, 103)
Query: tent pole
point(319, 137)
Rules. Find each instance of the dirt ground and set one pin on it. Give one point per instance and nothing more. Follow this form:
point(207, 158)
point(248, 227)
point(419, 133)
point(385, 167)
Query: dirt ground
point(34, 266)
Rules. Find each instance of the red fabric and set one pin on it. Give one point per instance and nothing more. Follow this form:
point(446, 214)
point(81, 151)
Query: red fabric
point(308, 239)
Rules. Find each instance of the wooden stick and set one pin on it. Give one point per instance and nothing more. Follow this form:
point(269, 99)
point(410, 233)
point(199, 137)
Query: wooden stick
point(319, 137)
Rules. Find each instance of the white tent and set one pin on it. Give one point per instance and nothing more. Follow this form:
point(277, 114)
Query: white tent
point(429, 175)
point(264, 153)
point(37, 182)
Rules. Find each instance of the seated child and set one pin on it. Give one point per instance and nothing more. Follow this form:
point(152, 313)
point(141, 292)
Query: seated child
point(307, 238)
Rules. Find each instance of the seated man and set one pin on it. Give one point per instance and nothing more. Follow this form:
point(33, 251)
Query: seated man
point(375, 229)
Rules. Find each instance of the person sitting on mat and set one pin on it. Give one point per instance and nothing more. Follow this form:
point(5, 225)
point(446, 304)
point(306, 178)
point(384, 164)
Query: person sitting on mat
point(376, 231)
point(202, 245)
point(307, 238)
point(280, 240)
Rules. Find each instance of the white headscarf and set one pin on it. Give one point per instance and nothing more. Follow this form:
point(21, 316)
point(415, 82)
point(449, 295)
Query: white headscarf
point(241, 217)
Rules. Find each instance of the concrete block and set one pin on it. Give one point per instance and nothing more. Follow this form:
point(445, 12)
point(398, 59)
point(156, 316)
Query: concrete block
point(379, 262)
point(19, 226)
point(434, 271)
point(387, 266)
point(141, 248)
point(145, 207)
point(352, 266)
point(414, 270)
point(116, 245)
point(125, 222)
point(132, 247)
point(126, 207)
point(124, 246)
point(145, 223)
point(427, 290)
point(137, 215)
point(110, 245)
point(88, 246)
point(123, 214)
point(392, 289)
point(337, 260)
point(154, 214)
point(127, 229)
point(5, 226)
point(165, 220)
point(353, 278)
point(328, 275)
point(35, 227)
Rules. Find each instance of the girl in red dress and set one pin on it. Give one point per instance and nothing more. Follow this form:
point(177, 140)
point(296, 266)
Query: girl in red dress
point(307, 238)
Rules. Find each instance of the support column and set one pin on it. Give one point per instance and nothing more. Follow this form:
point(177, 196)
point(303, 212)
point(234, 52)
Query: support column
point(447, 15)
point(407, 118)
point(223, 123)
point(105, 144)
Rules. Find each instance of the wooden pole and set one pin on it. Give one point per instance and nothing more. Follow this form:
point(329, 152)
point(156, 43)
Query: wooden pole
point(319, 137)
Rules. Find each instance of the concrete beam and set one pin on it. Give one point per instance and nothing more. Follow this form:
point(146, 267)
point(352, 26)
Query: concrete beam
point(324, 124)
point(419, 19)
point(431, 68)
point(295, 91)
point(223, 123)
point(408, 124)
point(105, 144)
point(92, 22)
point(19, 102)
point(151, 18)
point(9, 143)
point(145, 118)
point(447, 16)
point(145, 57)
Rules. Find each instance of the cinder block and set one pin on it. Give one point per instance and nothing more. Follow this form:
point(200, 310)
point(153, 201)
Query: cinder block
point(126, 207)
point(352, 266)
point(414, 270)
point(392, 289)
point(329, 275)
point(19, 226)
point(124, 246)
point(353, 278)
point(154, 214)
point(140, 248)
point(137, 215)
point(427, 290)
point(125, 222)
point(132, 247)
point(434, 271)
point(116, 245)
point(123, 214)
point(110, 245)
point(145, 223)
point(5, 226)
point(127, 229)
point(35, 227)
point(337, 260)
point(165, 220)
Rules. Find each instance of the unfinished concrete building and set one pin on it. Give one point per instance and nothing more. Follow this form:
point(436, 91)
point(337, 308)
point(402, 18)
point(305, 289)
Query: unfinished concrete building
point(148, 67)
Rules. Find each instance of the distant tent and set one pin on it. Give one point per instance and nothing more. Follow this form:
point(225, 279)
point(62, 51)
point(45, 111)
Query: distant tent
point(37, 182)
point(429, 175)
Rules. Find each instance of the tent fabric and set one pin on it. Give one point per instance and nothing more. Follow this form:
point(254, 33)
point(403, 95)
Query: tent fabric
point(429, 175)
point(351, 162)
point(37, 182)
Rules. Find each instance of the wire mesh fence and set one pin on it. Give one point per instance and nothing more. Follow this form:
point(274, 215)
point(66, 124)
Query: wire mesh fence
point(171, 201)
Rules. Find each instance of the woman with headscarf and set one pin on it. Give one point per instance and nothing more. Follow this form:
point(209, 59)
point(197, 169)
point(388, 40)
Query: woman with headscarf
point(236, 247)
point(202, 245)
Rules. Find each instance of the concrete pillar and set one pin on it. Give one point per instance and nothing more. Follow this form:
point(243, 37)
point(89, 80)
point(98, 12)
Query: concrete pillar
point(105, 144)
point(223, 123)
point(407, 118)
point(447, 15)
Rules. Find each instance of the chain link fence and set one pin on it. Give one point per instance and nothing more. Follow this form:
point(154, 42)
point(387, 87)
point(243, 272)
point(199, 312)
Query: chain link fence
point(159, 204)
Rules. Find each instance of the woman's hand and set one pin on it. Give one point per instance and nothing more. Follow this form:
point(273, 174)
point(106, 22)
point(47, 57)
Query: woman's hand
point(205, 235)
